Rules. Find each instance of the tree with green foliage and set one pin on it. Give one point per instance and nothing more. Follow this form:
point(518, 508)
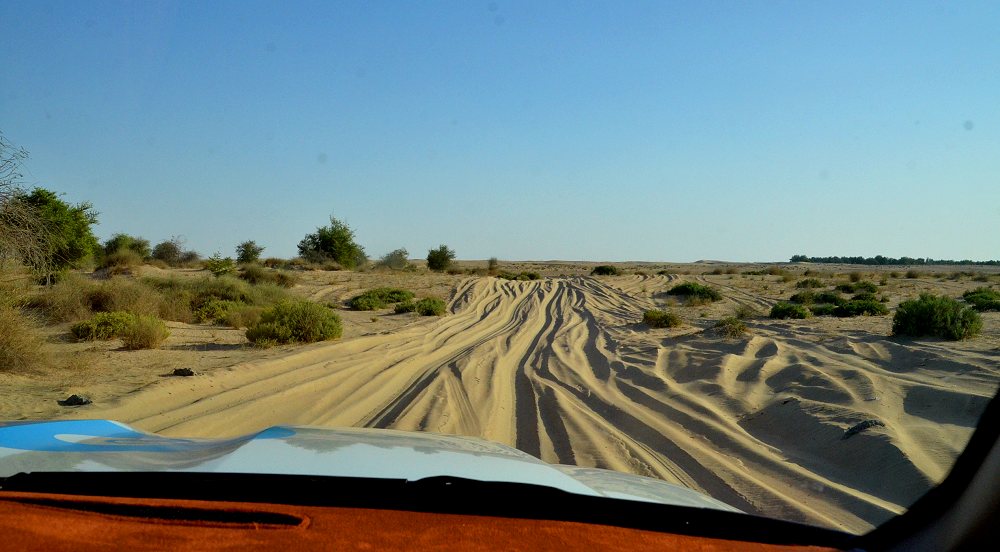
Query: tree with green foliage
point(68, 238)
point(333, 243)
point(248, 252)
point(125, 242)
point(169, 251)
point(396, 260)
point(440, 259)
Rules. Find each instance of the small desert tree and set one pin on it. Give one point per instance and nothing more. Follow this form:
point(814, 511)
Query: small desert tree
point(440, 259)
point(125, 242)
point(396, 260)
point(333, 243)
point(169, 251)
point(248, 252)
point(22, 234)
point(68, 237)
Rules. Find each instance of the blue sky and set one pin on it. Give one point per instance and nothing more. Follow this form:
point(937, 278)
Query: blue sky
point(524, 130)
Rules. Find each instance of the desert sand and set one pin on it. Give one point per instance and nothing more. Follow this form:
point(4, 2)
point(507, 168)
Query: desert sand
point(562, 369)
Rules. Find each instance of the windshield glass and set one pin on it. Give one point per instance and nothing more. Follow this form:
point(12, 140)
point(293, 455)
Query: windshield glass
point(745, 249)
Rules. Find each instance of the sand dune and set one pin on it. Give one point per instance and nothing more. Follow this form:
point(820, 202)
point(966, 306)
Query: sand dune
point(559, 368)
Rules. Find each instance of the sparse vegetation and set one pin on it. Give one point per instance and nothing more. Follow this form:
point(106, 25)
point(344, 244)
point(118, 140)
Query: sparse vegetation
point(256, 274)
point(936, 316)
point(492, 266)
point(103, 325)
point(220, 266)
point(809, 283)
point(861, 307)
point(745, 312)
point(439, 260)
point(20, 345)
point(295, 322)
point(523, 275)
point(983, 299)
point(695, 291)
point(379, 298)
point(605, 270)
point(855, 287)
point(789, 310)
point(656, 318)
point(404, 307)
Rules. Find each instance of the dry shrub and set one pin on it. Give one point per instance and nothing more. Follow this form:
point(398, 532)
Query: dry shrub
point(20, 344)
point(66, 300)
point(243, 317)
point(126, 295)
point(145, 332)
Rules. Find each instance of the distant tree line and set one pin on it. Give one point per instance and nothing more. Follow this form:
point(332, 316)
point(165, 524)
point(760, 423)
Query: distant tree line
point(883, 260)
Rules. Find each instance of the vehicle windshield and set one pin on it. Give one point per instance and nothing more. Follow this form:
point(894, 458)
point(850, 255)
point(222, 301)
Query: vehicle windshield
point(746, 249)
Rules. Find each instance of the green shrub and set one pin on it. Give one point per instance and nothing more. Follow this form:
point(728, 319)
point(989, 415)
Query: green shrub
point(379, 298)
point(144, 332)
point(523, 275)
point(430, 306)
point(404, 307)
point(855, 287)
point(605, 270)
point(867, 307)
point(295, 322)
point(248, 252)
point(215, 310)
point(936, 316)
point(219, 266)
point(333, 243)
point(440, 259)
point(983, 299)
point(731, 327)
point(124, 242)
point(809, 283)
point(121, 260)
point(803, 298)
point(395, 260)
point(693, 290)
point(103, 325)
point(823, 309)
point(831, 297)
point(656, 318)
point(864, 296)
point(169, 251)
point(789, 310)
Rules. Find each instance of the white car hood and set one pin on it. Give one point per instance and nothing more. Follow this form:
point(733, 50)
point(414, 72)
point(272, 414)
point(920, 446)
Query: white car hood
point(107, 446)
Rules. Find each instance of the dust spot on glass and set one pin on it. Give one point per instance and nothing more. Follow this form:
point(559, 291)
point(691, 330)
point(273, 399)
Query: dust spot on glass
point(492, 6)
point(968, 125)
point(321, 158)
point(89, 23)
point(270, 47)
point(454, 122)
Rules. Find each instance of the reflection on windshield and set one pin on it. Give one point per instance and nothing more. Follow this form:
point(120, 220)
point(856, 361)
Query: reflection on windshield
point(213, 222)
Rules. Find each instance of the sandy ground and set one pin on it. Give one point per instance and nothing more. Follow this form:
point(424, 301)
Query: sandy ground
point(562, 369)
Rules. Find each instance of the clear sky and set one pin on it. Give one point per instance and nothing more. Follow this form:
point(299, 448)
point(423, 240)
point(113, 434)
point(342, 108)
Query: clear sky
point(523, 130)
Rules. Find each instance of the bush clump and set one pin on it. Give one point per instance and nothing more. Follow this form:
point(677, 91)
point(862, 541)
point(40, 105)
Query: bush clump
point(936, 316)
point(440, 259)
point(295, 322)
point(789, 310)
point(983, 299)
point(731, 327)
point(379, 298)
point(809, 283)
point(693, 290)
point(605, 270)
point(103, 325)
point(429, 306)
point(144, 332)
point(20, 345)
point(859, 307)
point(656, 318)
point(404, 307)
point(855, 287)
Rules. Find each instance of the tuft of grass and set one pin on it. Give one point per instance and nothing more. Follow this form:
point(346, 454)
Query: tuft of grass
point(809, 283)
point(656, 318)
point(936, 316)
point(145, 332)
point(693, 290)
point(731, 327)
point(914, 274)
point(983, 299)
point(103, 325)
point(429, 306)
point(379, 298)
point(789, 310)
point(605, 270)
point(295, 322)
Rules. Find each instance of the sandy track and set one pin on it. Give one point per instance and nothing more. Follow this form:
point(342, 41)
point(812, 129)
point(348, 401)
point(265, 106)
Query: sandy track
point(559, 369)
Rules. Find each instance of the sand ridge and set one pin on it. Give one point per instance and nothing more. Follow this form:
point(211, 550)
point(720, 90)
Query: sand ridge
point(560, 369)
